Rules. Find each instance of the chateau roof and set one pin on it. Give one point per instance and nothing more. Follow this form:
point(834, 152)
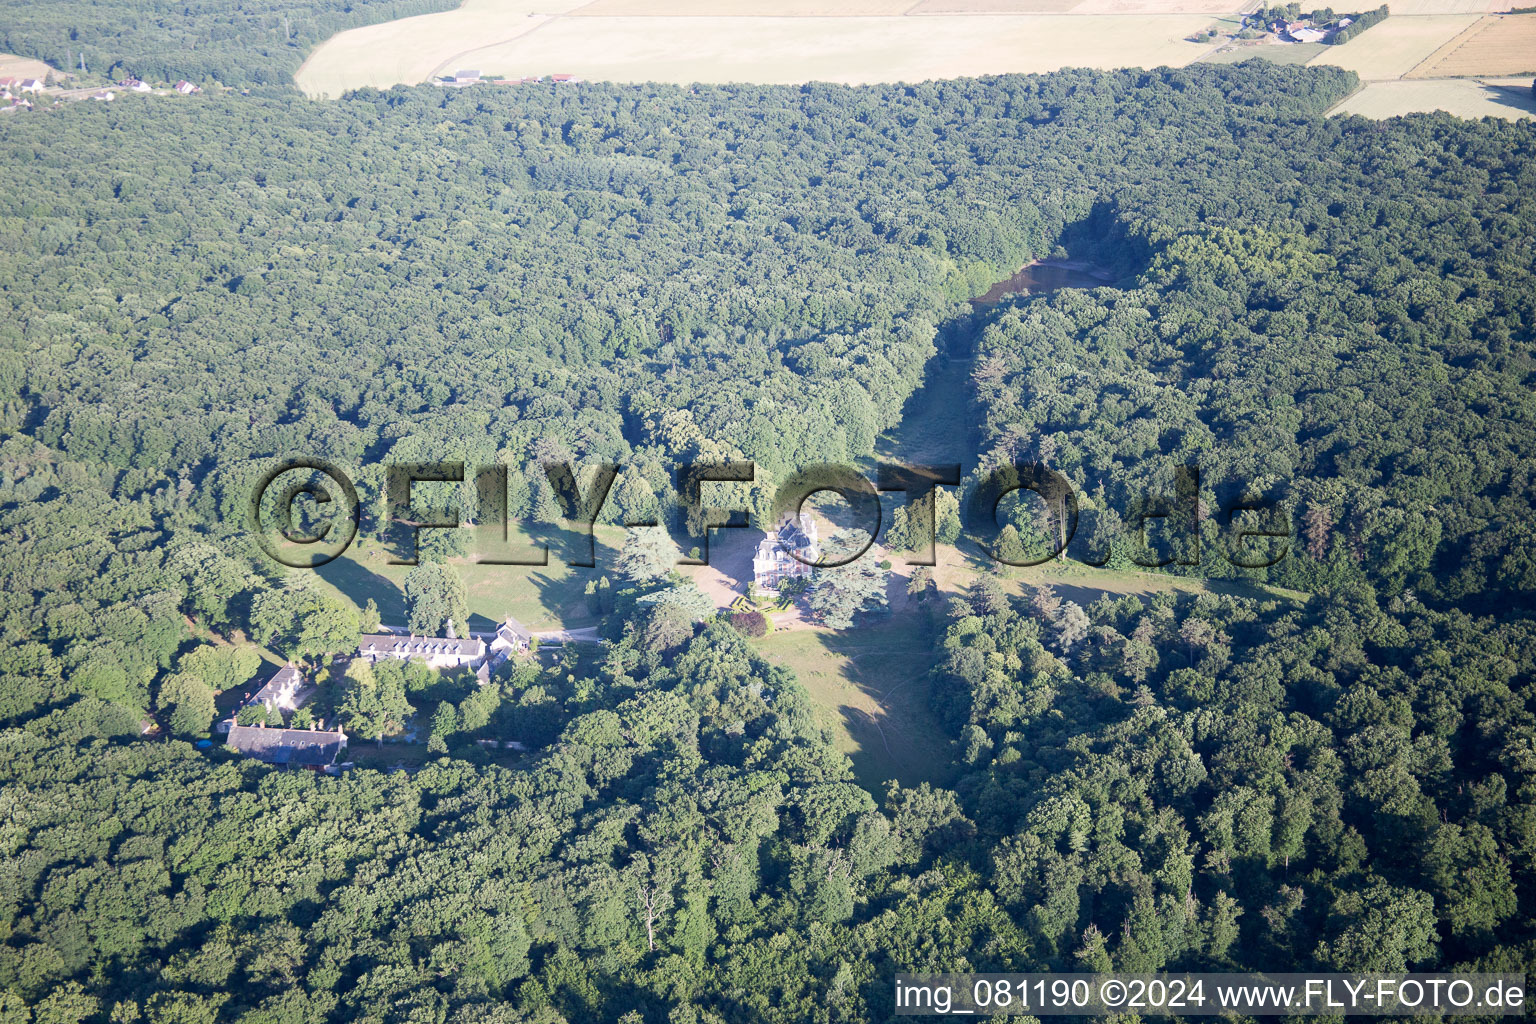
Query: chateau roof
point(420, 646)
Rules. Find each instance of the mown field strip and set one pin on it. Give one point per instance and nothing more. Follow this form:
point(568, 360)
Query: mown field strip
point(855, 51)
point(1464, 97)
point(1496, 45)
point(1397, 45)
point(685, 41)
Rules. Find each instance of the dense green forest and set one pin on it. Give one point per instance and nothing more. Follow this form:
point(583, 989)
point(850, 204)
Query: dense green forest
point(1333, 315)
point(235, 42)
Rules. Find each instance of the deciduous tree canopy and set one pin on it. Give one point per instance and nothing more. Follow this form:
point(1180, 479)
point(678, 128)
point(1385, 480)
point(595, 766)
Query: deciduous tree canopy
point(1330, 314)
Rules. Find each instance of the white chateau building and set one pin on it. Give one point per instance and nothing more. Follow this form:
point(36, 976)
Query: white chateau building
point(436, 651)
point(775, 561)
point(441, 652)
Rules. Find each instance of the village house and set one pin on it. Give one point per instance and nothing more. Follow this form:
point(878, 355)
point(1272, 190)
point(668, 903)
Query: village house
point(285, 691)
point(283, 694)
point(437, 651)
point(564, 79)
point(776, 561)
point(31, 85)
point(315, 749)
point(512, 637)
point(187, 88)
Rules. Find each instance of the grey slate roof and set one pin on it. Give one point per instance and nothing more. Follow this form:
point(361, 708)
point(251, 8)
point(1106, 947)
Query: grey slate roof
point(375, 644)
point(272, 690)
point(307, 747)
point(514, 630)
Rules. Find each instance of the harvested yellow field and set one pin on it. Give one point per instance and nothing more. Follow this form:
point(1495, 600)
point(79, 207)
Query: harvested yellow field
point(1396, 46)
point(1206, 7)
point(12, 66)
point(1497, 45)
point(848, 50)
point(993, 7)
point(1411, 8)
point(409, 50)
point(1463, 97)
point(765, 41)
point(741, 8)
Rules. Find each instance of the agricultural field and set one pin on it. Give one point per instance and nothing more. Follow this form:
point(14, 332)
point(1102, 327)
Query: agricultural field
point(1282, 53)
point(411, 50)
point(12, 66)
point(1495, 45)
point(741, 8)
point(1414, 8)
point(927, 7)
point(857, 50)
point(754, 41)
point(1396, 46)
point(1463, 97)
point(1134, 7)
point(1073, 6)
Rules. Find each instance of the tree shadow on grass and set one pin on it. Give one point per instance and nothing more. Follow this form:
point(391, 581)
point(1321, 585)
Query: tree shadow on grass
point(890, 660)
point(1517, 96)
point(360, 583)
point(564, 599)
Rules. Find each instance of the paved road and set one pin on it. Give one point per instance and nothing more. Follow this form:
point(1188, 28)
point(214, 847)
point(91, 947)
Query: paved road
point(585, 635)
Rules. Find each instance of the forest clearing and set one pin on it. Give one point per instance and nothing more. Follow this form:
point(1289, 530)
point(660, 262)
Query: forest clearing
point(873, 690)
